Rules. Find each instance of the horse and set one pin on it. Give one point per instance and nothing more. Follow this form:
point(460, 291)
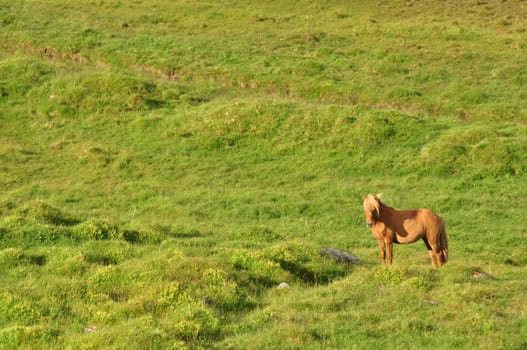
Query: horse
point(389, 226)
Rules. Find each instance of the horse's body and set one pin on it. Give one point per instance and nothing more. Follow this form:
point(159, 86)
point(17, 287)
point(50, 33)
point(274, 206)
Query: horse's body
point(405, 226)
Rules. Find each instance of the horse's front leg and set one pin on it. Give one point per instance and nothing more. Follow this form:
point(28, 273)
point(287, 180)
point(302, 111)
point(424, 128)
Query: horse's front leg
point(382, 250)
point(389, 248)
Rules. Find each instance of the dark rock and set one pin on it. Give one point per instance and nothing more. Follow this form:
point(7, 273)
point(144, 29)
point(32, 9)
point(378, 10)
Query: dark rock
point(341, 256)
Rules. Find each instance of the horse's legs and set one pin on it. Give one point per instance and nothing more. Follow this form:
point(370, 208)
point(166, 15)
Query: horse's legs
point(436, 254)
point(382, 250)
point(433, 258)
point(389, 246)
point(430, 251)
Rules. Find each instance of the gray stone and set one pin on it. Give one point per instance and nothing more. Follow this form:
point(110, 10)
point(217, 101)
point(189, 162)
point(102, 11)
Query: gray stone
point(341, 256)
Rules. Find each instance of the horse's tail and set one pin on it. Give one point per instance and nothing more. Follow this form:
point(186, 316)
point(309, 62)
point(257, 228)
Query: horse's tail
point(443, 242)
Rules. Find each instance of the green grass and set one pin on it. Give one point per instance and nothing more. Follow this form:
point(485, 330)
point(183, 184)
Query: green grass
point(164, 166)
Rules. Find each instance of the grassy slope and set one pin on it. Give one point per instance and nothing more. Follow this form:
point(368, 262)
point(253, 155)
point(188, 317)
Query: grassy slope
point(164, 167)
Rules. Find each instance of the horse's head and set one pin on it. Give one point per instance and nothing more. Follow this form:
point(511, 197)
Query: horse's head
point(372, 209)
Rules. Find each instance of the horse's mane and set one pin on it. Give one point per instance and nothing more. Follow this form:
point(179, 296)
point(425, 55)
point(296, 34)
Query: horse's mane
point(372, 202)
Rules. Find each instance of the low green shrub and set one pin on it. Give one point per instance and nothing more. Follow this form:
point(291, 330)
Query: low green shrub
point(285, 260)
point(9, 336)
point(172, 295)
point(22, 231)
point(291, 253)
point(106, 253)
point(261, 233)
point(112, 282)
point(43, 212)
point(149, 235)
point(218, 290)
point(96, 230)
point(191, 321)
point(389, 275)
point(10, 257)
point(16, 308)
point(258, 267)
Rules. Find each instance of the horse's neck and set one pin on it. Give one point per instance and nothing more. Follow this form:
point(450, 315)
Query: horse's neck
point(385, 212)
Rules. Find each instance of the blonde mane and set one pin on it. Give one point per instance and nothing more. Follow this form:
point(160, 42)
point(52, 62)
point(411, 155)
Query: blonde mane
point(372, 202)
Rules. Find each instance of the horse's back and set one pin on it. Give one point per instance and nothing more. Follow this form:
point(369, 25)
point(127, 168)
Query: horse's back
point(431, 221)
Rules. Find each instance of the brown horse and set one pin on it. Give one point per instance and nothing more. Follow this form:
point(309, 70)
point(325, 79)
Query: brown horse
point(405, 226)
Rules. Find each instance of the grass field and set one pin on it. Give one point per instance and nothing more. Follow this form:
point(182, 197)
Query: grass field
point(165, 165)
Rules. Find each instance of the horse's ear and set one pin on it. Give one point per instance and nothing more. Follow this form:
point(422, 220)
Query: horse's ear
point(378, 195)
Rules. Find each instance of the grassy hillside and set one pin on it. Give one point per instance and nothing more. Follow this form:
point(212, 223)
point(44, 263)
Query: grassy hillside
point(164, 165)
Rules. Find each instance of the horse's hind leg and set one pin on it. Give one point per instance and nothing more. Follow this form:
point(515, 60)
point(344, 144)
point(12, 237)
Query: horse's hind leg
point(440, 257)
point(437, 253)
point(430, 251)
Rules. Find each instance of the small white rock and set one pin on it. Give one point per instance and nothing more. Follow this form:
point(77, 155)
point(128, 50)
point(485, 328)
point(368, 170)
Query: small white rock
point(283, 285)
point(90, 329)
point(478, 275)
